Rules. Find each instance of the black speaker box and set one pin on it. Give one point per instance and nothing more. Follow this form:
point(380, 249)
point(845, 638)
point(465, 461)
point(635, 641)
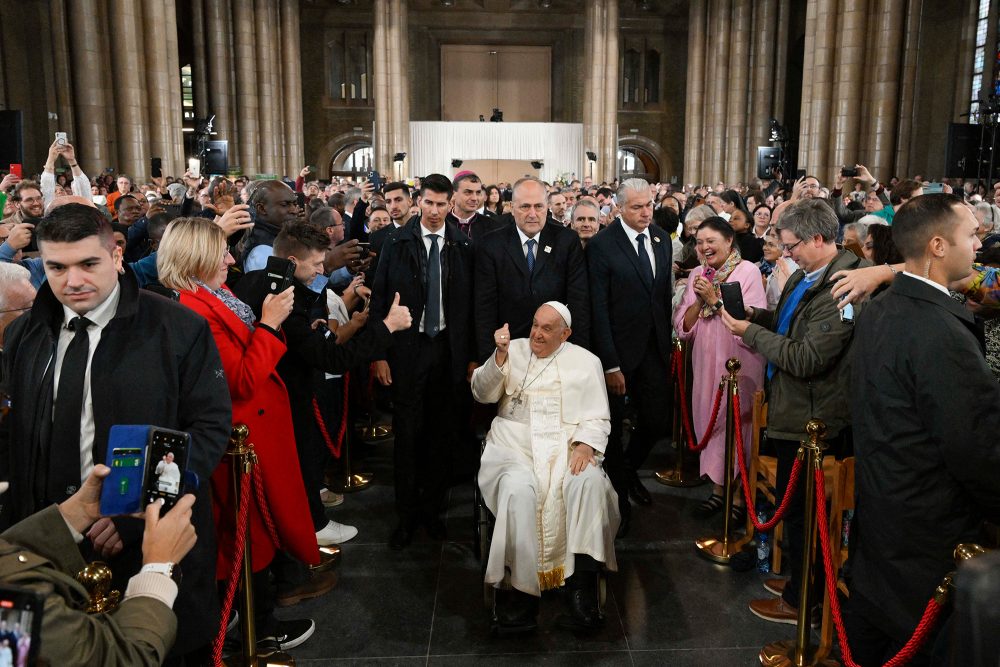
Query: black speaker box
point(11, 141)
point(216, 158)
point(767, 161)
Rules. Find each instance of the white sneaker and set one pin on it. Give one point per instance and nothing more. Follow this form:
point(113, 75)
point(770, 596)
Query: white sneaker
point(335, 533)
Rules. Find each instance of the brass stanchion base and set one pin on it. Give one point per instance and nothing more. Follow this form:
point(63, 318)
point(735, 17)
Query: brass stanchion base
point(329, 558)
point(352, 483)
point(714, 550)
point(782, 654)
point(676, 478)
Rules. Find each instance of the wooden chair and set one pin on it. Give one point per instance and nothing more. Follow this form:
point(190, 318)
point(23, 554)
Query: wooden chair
point(841, 500)
point(762, 472)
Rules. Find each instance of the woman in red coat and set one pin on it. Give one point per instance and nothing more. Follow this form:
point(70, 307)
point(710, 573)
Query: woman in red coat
point(193, 259)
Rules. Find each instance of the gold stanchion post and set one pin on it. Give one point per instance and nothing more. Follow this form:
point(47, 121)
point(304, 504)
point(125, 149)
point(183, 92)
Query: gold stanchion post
point(349, 481)
point(677, 476)
point(713, 548)
point(800, 653)
point(243, 461)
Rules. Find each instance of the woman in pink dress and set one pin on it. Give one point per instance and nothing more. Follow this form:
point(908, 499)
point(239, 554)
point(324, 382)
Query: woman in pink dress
point(697, 321)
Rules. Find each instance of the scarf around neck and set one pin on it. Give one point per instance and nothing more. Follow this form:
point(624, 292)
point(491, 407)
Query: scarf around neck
point(229, 300)
point(719, 277)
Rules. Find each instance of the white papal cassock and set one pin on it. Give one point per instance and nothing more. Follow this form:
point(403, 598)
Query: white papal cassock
point(544, 514)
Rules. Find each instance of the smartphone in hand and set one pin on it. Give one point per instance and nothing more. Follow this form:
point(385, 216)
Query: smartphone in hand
point(732, 300)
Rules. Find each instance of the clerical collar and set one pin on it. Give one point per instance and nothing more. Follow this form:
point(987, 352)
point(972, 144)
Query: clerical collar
point(465, 221)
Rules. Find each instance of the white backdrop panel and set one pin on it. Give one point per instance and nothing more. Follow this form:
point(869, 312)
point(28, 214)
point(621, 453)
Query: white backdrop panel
point(433, 145)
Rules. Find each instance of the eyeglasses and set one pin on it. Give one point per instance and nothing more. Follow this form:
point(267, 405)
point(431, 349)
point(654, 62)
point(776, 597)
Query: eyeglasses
point(789, 248)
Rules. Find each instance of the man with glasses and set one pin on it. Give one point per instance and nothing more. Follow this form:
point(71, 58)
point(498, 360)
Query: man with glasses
point(28, 198)
point(804, 340)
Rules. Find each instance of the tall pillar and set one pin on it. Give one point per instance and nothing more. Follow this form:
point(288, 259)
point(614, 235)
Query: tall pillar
point(694, 113)
point(291, 81)
point(63, 69)
point(157, 84)
point(404, 85)
point(736, 109)
point(91, 84)
point(264, 92)
point(399, 88)
point(612, 93)
point(383, 129)
point(594, 90)
point(762, 108)
point(781, 59)
point(805, 112)
point(907, 107)
point(219, 74)
point(247, 89)
point(720, 95)
point(176, 137)
point(199, 69)
point(130, 96)
point(851, 55)
point(821, 106)
point(885, 85)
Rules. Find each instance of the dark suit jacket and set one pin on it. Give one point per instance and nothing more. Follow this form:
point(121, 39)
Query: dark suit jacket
point(481, 225)
point(377, 240)
point(625, 310)
point(924, 408)
point(505, 292)
point(402, 269)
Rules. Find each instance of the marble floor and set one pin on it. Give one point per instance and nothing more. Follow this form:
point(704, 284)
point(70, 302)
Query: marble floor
point(424, 605)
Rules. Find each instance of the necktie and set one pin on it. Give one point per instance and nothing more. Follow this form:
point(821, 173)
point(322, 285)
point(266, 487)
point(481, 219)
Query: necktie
point(64, 451)
point(531, 255)
point(432, 312)
point(466, 227)
point(644, 265)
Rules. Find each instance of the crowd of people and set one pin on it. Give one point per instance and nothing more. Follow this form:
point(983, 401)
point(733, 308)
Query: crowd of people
point(212, 302)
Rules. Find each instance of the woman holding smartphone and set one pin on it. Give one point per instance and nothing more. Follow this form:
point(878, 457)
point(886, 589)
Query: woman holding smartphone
point(697, 321)
point(193, 259)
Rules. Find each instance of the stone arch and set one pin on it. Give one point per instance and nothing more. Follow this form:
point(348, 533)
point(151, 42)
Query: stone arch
point(663, 161)
point(323, 158)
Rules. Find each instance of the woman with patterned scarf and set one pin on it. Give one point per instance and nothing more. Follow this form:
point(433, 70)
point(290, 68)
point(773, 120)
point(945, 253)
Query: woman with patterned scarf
point(697, 321)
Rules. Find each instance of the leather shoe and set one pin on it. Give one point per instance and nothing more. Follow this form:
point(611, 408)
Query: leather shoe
point(775, 586)
point(401, 537)
point(318, 584)
point(638, 492)
point(514, 612)
point(583, 612)
point(776, 610)
point(436, 529)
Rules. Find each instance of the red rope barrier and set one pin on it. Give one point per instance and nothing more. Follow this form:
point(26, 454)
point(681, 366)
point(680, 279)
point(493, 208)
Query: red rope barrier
point(748, 493)
point(677, 367)
point(931, 612)
point(334, 447)
point(234, 573)
point(262, 507)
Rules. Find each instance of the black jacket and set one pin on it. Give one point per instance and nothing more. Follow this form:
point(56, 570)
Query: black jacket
point(481, 225)
point(157, 364)
point(505, 292)
point(625, 311)
point(924, 407)
point(402, 269)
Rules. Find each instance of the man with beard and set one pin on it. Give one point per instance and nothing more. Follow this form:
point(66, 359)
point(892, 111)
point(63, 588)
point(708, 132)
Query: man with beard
point(27, 196)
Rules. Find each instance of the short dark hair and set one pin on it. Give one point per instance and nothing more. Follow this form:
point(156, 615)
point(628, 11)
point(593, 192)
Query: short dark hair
point(70, 223)
point(471, 177)
point(21, 187)
point(903, 190)
point(607, 192)
point(299, 237)
point(121, 200)
point(436, 183)
point(395, 185)
point(322, 217)
point(920, 219)
point(336, 200)
point(718, 224)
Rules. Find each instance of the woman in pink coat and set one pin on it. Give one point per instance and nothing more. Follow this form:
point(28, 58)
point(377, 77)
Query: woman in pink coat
point(697, 321)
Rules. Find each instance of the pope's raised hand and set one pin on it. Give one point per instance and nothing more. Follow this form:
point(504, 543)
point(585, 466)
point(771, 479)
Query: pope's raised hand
point(502, 338)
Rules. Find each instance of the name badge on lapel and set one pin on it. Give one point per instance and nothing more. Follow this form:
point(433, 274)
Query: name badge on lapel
point(548, 248)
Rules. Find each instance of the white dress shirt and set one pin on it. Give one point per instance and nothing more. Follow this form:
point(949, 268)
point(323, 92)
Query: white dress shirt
point(524, 243)
point(100, 316)
point(633, 237)
point(425, 235)
point(930, 282)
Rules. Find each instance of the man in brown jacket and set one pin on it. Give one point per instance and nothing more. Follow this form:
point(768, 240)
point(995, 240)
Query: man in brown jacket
point(40, 553)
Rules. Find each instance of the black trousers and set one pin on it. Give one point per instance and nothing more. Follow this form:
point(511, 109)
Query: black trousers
point(794, 531)
point(644, 386)
point(425, 428)
point(873, 647)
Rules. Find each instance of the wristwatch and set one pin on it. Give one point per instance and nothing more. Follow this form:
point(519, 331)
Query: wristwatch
point(171, 570)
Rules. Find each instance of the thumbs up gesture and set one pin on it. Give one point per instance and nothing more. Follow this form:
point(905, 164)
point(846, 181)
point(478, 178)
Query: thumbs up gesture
point(502, 339)
point(398, 317)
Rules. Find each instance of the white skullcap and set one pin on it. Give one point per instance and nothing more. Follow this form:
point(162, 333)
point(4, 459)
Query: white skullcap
point(562, 310)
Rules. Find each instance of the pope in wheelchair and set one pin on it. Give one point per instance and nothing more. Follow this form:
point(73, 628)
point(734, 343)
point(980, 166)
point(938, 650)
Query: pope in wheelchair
point(556, 511)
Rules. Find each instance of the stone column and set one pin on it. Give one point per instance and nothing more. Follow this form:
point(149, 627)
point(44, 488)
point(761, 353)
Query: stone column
point(805, 111)
point(404, 85)
point(821, 105)
point(199, 66)
point(159, 101)
point(694, 113)
point(265, 90)
point(382, 93)
point(738, 81)
point(219, 73)
point(179, 163)
point(781, 60)
point(247, 89)
point(611, 92)
point(91, 82)
point(720, 27)
point(762, 109)
point(907, 107)
point(63, 70)
point(291, 81)
point(845, 133)
point(129, 70)
point(890, 18)
point(594, 97)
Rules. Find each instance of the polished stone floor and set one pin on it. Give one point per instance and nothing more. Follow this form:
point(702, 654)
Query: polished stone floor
point(424, 605)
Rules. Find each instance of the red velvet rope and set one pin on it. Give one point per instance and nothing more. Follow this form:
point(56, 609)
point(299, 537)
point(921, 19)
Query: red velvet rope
point(677, 366)
point(234, 572)
point(748, 493)
point(265, 511)
point(334, 447)
point(931, 612)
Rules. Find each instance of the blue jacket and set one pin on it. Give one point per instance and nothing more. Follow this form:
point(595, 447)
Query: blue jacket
point(144, 270)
